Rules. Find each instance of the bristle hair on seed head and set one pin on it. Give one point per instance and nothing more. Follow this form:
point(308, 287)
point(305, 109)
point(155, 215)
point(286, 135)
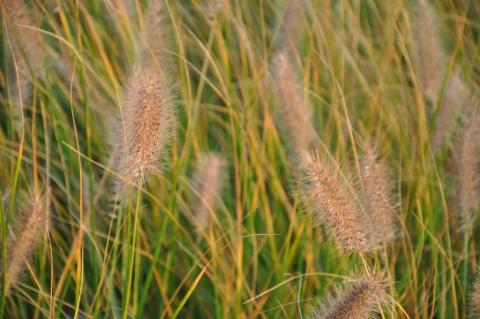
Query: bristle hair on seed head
point(465, 158)
point(147, 123)
point(377, 198)
point(23, 238)
point(330, 200)
point(295, 117)
point(474, 299)
point(357, 300)
point(429, 53)
point(208, 184)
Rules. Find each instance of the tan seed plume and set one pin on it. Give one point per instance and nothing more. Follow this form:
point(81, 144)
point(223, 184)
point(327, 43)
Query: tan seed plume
point(329, 200)
point(377, 200)
point(292, 26)
point(466, 162)
point(209, 180)
point(295, 116)
point(155, 38)
point(456, 95)
point(22, 241)
point(148, 122)
point(357, 301)
point(429, 56)
point(27, 44)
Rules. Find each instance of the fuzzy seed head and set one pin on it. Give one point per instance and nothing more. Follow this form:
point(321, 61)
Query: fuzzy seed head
point(27, 43)
point(209, 180)
point(154, 38)
point(148, 123)
point(22, 241)
point(292, 26)
point(430, 60)
point(329, 200)
point(466, 162)
point(377, 199)
point(475, 300)
point(357, 301)
point(295, 116)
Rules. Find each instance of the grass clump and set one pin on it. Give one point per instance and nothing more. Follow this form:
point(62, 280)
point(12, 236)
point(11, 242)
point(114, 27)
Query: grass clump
point(350, 118)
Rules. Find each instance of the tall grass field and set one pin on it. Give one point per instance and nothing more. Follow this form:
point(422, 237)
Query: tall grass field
point(312, 159)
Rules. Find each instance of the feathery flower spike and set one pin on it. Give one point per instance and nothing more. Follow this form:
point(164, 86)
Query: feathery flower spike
point(377, 198)
point(22, 241)
point(295, 116)
point(329, 200)
point(357, 301)
point(148, 122)
point(208, 186)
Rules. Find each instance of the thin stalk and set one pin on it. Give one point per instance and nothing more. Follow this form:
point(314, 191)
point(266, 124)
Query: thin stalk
point(131, 254)
point(466, 236)
point(4, 257)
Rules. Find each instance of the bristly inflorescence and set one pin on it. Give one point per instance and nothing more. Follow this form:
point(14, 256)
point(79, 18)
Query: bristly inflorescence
point(376, 196)
point(208, 180)
point(329, 199)
point(430, 60)
point(22, 241)
point(154, 41)
point(292, 26)
point(27, 44)
point(465, 157)
point(148, 122)
point(474, 300)
point(357, 301)
point(295, 116)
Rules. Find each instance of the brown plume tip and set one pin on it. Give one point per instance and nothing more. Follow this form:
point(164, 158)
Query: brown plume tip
point(295, 116)
point(148, 122)
point(209, 179)
point(22, 241)
point(358, 300)
point(376, 196)
point(329, 199)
